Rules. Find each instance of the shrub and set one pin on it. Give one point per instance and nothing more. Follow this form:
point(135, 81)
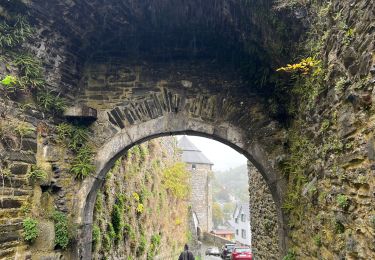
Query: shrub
point(30, 229)
point(61, 229)
point(31, 71)
point(175, 179)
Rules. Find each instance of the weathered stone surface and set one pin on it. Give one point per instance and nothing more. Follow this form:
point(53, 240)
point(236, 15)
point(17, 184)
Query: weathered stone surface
point(46, 239)
point(81, 112)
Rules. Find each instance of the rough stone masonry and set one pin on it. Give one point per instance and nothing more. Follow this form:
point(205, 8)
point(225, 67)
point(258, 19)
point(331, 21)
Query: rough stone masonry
point(154, 68)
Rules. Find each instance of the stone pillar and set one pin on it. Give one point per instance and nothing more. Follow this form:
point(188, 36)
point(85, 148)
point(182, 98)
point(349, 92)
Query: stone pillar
point(264, 225)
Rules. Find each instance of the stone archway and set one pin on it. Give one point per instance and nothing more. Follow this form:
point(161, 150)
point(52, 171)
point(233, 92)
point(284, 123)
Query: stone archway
point(169, 124)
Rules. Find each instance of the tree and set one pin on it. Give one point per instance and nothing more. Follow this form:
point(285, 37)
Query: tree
point(217, 214)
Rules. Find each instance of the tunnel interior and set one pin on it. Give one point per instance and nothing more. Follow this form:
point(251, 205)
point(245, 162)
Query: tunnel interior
point(247, 37)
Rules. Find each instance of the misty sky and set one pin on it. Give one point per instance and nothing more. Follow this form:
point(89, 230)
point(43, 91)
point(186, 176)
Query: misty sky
point(220, 154)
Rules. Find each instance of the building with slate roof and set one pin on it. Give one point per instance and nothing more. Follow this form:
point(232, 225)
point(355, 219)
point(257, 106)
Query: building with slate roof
point(201, 170)
point(241, 224)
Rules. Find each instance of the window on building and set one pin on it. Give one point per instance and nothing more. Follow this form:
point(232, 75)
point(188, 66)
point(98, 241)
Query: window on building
point(237, 232)
point(236, 220)
point(243, 233)
point(243, 217)
point(193, 166)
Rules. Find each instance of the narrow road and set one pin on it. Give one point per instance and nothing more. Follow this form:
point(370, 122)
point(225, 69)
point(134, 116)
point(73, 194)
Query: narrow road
point(207, 257)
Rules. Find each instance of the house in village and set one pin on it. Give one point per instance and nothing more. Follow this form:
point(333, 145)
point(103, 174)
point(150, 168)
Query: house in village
point(201, 170)
point(240, 222)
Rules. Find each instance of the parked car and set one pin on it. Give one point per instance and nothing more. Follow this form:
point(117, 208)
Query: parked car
point(241, 253)
point(226, 251)
point(213, 251)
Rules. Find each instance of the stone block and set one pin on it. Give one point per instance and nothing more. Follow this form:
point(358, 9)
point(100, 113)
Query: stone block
point(29, 145)
point(45, 240)
point(19, 168)
point(81, 112)
point(21, 157)
point(51, 153)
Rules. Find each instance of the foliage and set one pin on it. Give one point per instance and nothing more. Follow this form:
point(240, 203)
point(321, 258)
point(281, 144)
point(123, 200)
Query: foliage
point(304, 67)
point(15, 33)
point(291, 255)
point(36, 174)
point(96, 234)
point(372, 219)
point(136, 196)
point(30, 229)
point(142, 245)
point(342, 201)
point(318, 240)
point(82, 165)
point(339, 227)
point(117, 220)
point(23, 129)
point(175, 179)
point(217, 214)
point(140, 208)
point(9, 82)
point(301, 153)
point(62, 238)
point(76, 138)
point(49, 101)
point(31, 71)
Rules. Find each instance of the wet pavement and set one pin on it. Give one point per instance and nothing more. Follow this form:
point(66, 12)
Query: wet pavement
point(208, 257)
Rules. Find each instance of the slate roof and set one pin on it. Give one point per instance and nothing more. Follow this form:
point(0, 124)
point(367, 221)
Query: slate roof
point(190, 153)
point(242, 208)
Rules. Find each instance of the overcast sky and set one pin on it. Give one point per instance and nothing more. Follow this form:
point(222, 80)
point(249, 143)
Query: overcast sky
point(222, 156)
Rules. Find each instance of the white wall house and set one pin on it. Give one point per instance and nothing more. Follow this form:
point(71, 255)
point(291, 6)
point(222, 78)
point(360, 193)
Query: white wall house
point(241, 224)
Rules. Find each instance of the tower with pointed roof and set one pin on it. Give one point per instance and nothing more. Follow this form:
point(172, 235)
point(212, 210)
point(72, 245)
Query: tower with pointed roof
point(201, 194)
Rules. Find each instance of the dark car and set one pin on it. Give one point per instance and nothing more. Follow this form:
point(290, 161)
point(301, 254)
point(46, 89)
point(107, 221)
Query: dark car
point(213, 251)
point(226, 251)
point(241, 253)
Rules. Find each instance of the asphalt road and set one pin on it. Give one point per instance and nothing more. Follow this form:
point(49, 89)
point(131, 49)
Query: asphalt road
point(208, 257)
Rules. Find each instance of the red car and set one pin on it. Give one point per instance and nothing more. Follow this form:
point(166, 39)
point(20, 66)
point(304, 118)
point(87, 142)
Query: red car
point(242, 253)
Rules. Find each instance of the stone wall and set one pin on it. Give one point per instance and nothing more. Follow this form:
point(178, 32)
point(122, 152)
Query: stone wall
point(264, 226)
point(329, 139)
point(136, 216)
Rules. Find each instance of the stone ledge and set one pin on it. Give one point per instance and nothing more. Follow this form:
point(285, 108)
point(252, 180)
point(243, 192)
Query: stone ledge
point(81, 112)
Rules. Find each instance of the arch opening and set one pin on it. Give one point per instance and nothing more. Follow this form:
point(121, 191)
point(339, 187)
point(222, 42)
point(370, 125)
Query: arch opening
point(165, 126)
